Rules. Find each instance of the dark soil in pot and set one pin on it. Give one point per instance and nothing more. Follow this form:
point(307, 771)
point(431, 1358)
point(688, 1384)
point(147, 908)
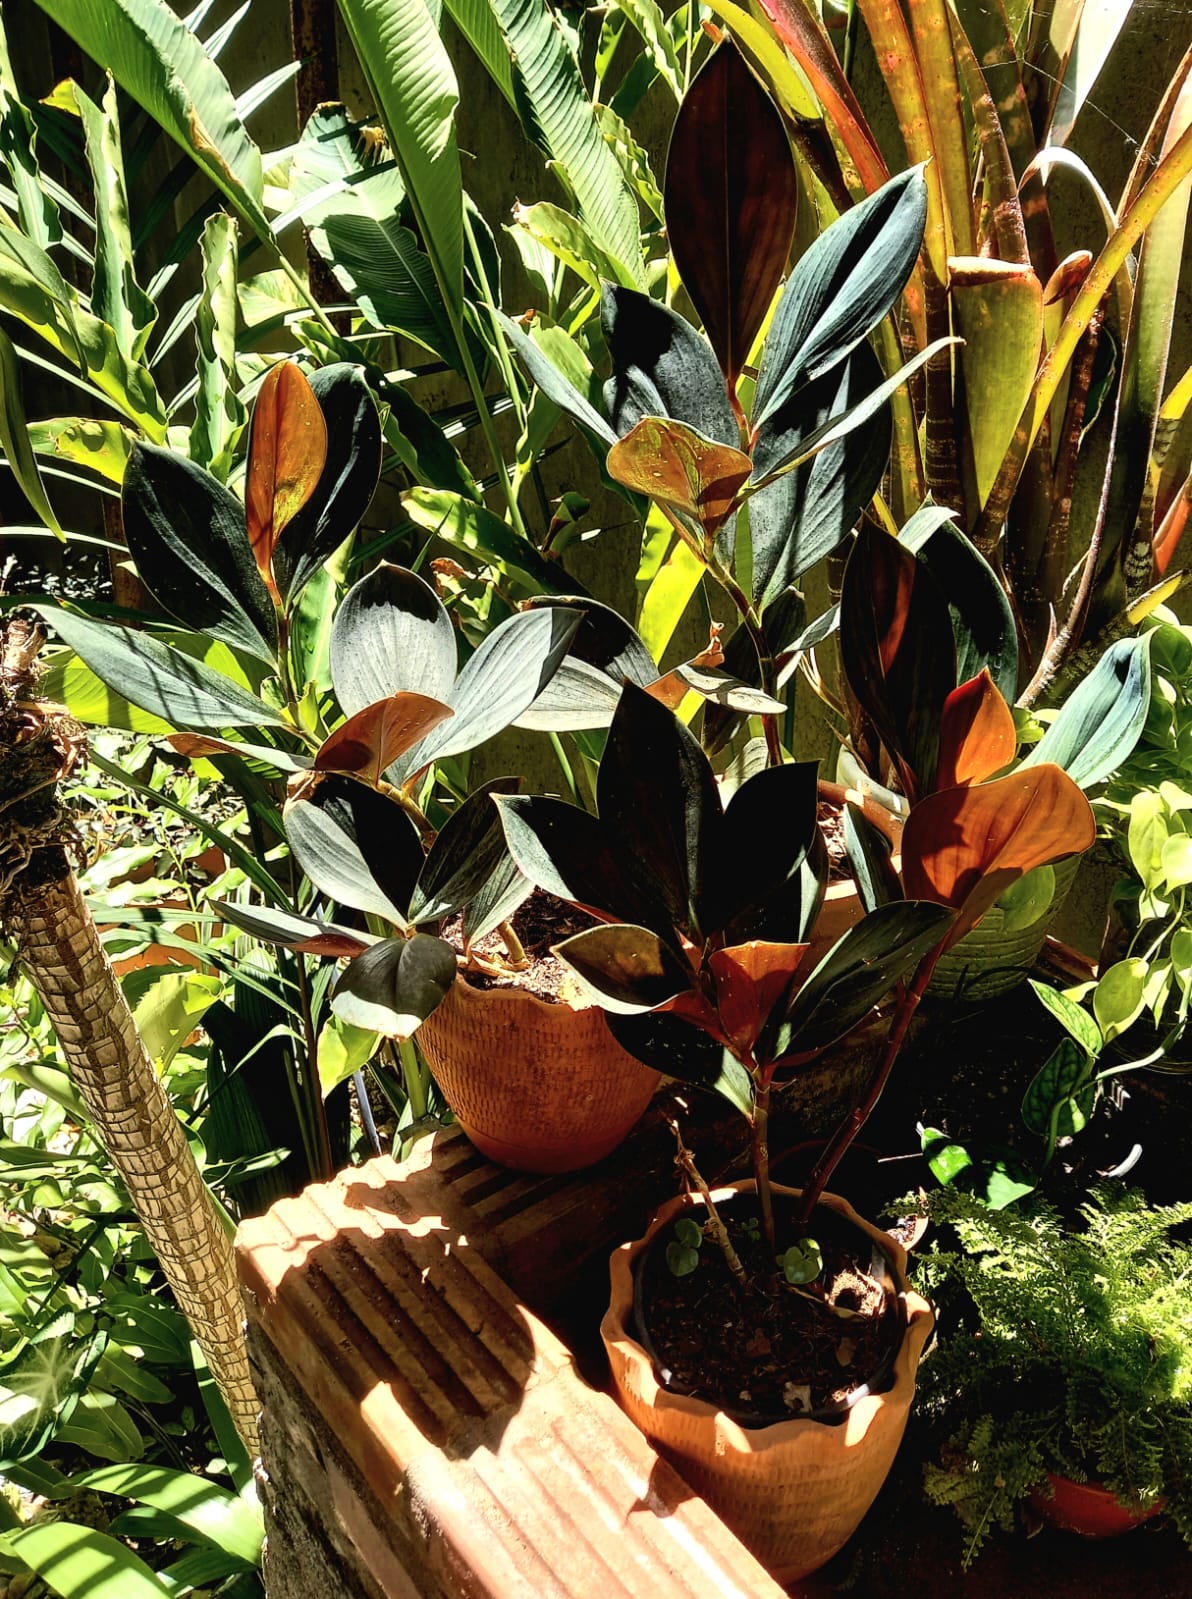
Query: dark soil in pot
point(776, 1352)
point(540, 923)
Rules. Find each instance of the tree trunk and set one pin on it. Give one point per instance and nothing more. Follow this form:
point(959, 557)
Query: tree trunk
point(42, 912)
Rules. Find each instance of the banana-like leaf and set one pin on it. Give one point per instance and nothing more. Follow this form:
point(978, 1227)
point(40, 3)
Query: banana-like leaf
point(977, 734)
point(998, 308)
point(678, 467)
point(287, 450)
point(626, 969)
point(80, 1563)
point(219, 415)
point(391, 635)
point(413, 87)
point(369, 742)
point(183, 692)
point(393, 987)
point(187, 535)
point(476, 21)
point(1099, 723)
point(37, 212)
point(208, 1511)
point(731, 193)
point(102, 447)
point(566, 125)
point(661, 367)
point(15, 439)
point(356, 845)
point(157, 60)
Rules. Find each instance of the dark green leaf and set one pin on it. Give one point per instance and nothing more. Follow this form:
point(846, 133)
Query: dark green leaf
point(1099, 723)
point(496, 900)
point(395, 985)
point(770, 825)
point(391, 634)
point(304, 933)
point(661, 367)
point(679, 1049)
point(982, 621)
point(356, 845)
point(469, 848)
point(187, 535)
point(1063, 1087)
point(461, 521)
point(626, 969)
point(564, 852)
point(868, 852)
point(1071, 1016)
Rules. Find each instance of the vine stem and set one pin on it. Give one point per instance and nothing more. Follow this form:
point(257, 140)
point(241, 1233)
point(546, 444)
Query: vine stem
point(685, 1161)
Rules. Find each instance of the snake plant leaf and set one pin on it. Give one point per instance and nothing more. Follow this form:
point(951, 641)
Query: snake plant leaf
point(356, 845)
point(860, 969)
point(805, 514)
point(841, 289)
point(369, 742)
point(391, 635)
point(156, 59)
point(164, 681)
point(16, 441)
point(662, 368)
point(897, 650)
point(963, 846)
point(287, 449)
point(681, 1049)
point(186, 532)
point(777, 805)
point(558, 387)
point(982, 621)
point(348, 481)
point(675, 465)
point(498, 683)
point(977, 734)
point(869, 859)
point(305, 933)
point(469, 848)
point(394, 986)
point(730, 198)
point(564, 123)
point(414, 88)
point(626, 969)
point(1099, 723)
point(658, 802)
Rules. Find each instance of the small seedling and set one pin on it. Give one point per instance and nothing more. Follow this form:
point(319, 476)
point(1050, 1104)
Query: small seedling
point(682, 1253)
point(802, 1262)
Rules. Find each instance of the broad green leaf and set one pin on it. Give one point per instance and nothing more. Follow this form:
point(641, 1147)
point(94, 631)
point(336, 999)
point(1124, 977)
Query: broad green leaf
point(999, 314)
point(469, 847)
point(1061, 1095)
point(391, 635)
point(476, 21)
point(1027, 900)
point(1119, 999)
point(1147, 834)
point(102, 1426)
point(395, 986)
point(1176, 861)
point(156, 59)
point(80, 1563)
point(566, 124)
point(569, 241)
point(997, 1177)
point(15, 440)
point(661, 368)
point(36, 211)
point(626, 969)
point(667, 597)
point(209, 1512)
point(1099, 723)
point(342, 1051)
point(219, 415)
point(557, 386)
point(171, 1008)
point(167, 683)
point(356, 845)
point(647, 18)
point(103, 447)
point(471, 526)
point(1073, 1017)
point(414, 88)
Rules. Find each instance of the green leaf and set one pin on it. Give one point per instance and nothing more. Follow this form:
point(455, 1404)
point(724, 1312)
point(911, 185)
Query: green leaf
point(219, 415)
point(982, 621)
point(802, 1262)
point(1146, 837)
point(157, 60)
point(661, 368)
point(15, 439)
point(868, 851)
point(36, 210)
point(557, 386)
point(475, 20)
point(80, 1563)
point(171, 1008)
point(1071, 1016)
point(356, 845)
point(566, 122)
point(102, 1426)
point(342, 1051)
point(469, 847)
point(473, 527)
point(391, 635)
point(413, 87)
point(1176, 860)
point(1099, 723)
point(395, 986)
point(680, 1049)
point(625, 969)
point(102, 447)
point(1119, 998)
point(998, 307)
point(209, 1512)
point(997, 1177)
point(566, 237)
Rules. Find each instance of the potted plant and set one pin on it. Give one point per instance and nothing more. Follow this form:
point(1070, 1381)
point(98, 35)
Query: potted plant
point(700, 957)
point(1067, 1383)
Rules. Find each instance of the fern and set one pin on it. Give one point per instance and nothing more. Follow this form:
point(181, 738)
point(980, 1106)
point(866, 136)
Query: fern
point(1078, 1359)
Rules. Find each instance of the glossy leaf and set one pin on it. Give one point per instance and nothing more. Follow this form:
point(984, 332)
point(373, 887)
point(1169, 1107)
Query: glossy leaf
point(369, 742)
point(897, 650)
point(661, 368)
point(395, 985)
point(469, 848)
point(626, 969)
point(769, 826)
point(963, 846)
point(81, 1563)
point(187, 535)
point(357, 846)
point(349, 478)
point(1120, 996)
point(730, 193)
point(977, 734)
point(1071, 1016)
point(676, 466)
point(578, 696)
point(1060, 1089)
point(806, 514)
point(287, 448)
point(391, 635)
point(752, 981)
point(495, 901)
point(604, 639)
point(841, 288)
point(164, 681)
point(869, 860)
point(679, 1049)
point(303, 933)
point(470, 526)
point(982, 621)
point(564, 852)
point(1099, 723)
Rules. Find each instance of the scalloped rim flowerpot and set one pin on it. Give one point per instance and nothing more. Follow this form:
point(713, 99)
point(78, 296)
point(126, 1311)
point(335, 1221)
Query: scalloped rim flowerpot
point(794, 1491)
point(1089, 1509)
point(541, 1086)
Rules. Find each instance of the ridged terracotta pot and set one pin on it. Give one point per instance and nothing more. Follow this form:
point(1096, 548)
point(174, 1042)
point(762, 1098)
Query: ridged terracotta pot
point(540, 1086)
point(795, 1491)
point(1089, 1509)
point(998, 954)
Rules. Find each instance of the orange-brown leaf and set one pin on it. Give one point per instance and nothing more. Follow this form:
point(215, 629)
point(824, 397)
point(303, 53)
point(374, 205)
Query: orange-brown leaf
point(286, 455)
point(750, 980)
point(673, 464)
point(375, 737)
point(977, 736)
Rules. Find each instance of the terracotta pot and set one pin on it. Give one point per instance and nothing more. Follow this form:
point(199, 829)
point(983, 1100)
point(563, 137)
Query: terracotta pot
point(535, 1085)
point(1089, 1509)
point(794, 1491)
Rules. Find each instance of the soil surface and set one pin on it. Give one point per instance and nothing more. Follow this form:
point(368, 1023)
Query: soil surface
point(737, 1348)
point(831, 825)
point(540, 923)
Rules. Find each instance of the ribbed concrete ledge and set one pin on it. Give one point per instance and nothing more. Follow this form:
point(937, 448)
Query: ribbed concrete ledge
point(424, 1433)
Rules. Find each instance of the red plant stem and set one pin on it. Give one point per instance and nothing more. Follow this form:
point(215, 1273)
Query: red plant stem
point(759, 1126)
point(852, 1124)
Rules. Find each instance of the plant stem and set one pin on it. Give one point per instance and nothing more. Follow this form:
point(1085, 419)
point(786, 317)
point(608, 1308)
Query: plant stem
point(415, 1078)
point(760, 1145)
point(686, 1163)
